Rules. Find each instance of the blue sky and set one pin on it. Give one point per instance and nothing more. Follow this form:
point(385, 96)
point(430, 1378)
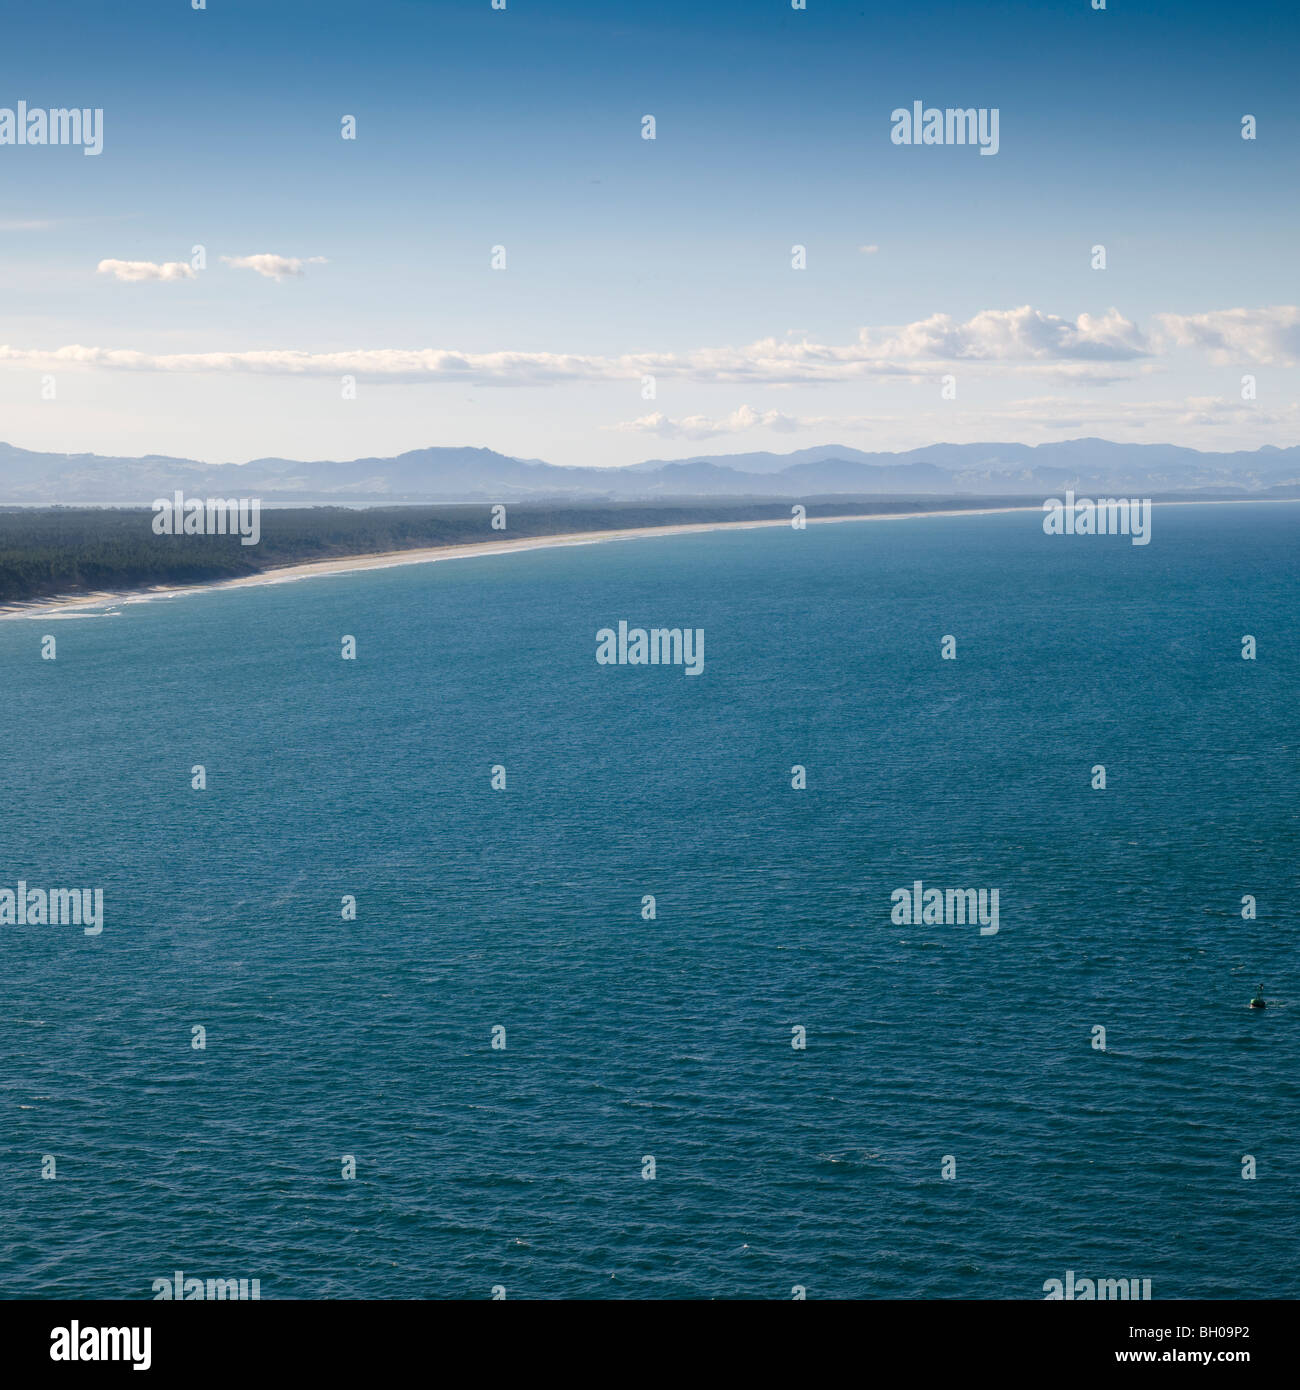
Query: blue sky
point(627, 257)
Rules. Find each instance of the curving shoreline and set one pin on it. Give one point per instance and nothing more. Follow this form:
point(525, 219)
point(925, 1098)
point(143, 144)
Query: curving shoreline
point(73, 604)
point(69, 605)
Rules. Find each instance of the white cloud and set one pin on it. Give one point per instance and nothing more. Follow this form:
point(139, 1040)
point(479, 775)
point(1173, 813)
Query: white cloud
point(869, 250)
point(1025, 334)
point(702, 427)
point(1054, 414)
point(1025, 342)
point(1023, 339)
point(134, 272)
point(378, 364)
point(1057, 413)
point(1270, 336)
point(271, 266)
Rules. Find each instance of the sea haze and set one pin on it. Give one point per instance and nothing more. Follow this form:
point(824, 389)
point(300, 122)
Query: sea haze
point(628, 1038)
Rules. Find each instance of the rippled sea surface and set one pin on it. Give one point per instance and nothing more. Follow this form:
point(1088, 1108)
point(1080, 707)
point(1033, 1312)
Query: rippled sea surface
point(672, 1038)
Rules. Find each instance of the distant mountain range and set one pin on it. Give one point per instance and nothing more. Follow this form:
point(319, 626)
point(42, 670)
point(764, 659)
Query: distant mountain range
point(473, 475)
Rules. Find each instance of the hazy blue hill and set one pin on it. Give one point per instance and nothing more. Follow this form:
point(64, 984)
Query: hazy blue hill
point(479, 474)
point(845, 475)
point(768, 462)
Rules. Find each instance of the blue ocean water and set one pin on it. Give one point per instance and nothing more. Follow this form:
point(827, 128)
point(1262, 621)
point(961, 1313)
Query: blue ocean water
point(672, 1038)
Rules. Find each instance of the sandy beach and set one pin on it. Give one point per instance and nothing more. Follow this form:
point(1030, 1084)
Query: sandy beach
point(71, 605)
